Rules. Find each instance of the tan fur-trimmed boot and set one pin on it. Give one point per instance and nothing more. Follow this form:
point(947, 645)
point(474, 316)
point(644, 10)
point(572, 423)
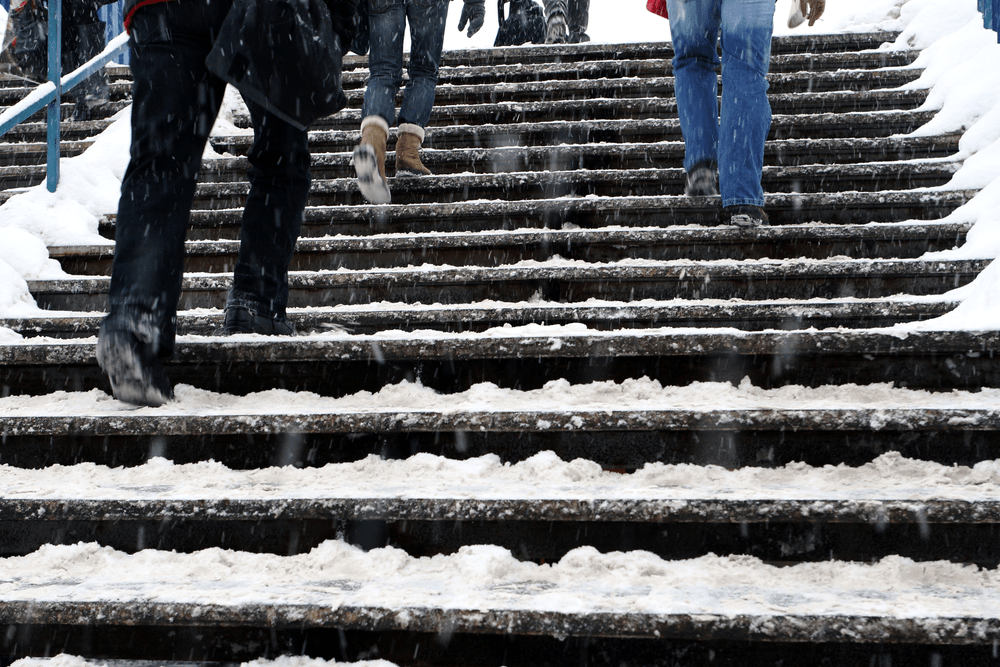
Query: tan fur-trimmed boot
point(369, 160)
point(408, 151)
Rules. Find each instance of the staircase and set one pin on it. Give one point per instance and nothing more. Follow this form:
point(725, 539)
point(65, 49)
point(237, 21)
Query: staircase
point(552, 251)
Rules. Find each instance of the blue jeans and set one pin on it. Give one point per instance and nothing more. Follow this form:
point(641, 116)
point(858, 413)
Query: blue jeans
point(737, 145)
point(175, 102)
point(387, 20)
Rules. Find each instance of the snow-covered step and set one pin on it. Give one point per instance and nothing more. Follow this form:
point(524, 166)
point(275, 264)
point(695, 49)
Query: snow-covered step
point(619, 426)
point(793, 79)
point(808, 126)
point(370, 319)
point(787, 152)
point(212, 500)
point(900, 240)
point(588, 212)
point(560, 279)
point(486, 591)
point(528, 357)
point(467, 112)
point(513, 186)
point(805, 45)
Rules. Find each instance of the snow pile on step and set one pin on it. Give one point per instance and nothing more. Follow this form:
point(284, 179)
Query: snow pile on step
point(556, 396)
point(64, 660)
point(478, 578)
point(543, 476)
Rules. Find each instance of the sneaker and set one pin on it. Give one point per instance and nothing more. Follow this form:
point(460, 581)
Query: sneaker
point(556, 31)
point(243, 320)
point(747, 216)
point(133, 368)
point(702, 180)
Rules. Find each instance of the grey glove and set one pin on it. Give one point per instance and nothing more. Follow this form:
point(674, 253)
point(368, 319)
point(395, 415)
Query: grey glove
point(473, 13)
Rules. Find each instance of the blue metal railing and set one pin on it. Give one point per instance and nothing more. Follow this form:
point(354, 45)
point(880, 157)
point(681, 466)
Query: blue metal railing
point(49, 94)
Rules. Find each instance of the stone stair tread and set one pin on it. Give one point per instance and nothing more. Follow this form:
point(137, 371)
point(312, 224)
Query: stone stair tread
point(506, 181)
point(446, 113)
point(531, 341)
point(370, 318)
point(557, 238)
point(636, 596)
point(872, 42)
point(594, 211)
point(432, 488)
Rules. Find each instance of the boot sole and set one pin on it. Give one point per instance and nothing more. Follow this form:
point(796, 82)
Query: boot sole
point(374, 188)
point(131, 381)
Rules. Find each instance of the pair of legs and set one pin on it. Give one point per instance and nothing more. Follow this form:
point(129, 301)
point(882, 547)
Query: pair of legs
point(175, 102)
point(387, 20)
point(82, 39)
point(736, 144)
point(566, 21)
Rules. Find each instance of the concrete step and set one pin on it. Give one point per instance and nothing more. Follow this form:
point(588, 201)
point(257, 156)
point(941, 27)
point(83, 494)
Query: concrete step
point(900, 240)
point(950, 428)
point(528, 357)
point(589, 212)
point(793, 73)
point(564, 280)
point(30, 158)
point(548, 134)
point(538, 185)
point(603, 315)
point(483, 113)
point(639, 598)
point(805, 45)
point(424, 511)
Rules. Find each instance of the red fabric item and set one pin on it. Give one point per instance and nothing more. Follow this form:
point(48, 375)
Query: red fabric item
point(658, 7)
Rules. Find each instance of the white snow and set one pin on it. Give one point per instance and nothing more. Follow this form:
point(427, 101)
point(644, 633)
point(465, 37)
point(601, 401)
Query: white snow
point(556, 395)
point(336, 575)
point(63, 660)
point(544, 476)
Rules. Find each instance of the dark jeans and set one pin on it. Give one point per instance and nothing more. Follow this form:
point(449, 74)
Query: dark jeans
point(387, 20)
point(175, 102)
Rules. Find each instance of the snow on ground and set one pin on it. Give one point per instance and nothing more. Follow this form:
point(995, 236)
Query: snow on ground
point(64, 660)
point(337, 575)
point(544, 476)
point(556, 395)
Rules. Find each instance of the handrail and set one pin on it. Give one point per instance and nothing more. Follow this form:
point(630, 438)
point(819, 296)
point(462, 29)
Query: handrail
point(50, 93)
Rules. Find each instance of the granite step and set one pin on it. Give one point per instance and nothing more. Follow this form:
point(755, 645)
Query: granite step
point(528, 357)
point(899, 240)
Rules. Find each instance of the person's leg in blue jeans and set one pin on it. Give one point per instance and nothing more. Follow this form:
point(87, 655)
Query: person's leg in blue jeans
point(737, 148)
point(746, 112)
point(694, 31)
point(386, 23)
point(427, 23)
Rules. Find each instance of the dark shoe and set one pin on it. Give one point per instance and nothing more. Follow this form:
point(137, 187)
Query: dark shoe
point(747, 216)
point(135, 371)
point(578, 37)
point(702, 180)
point(241, 320)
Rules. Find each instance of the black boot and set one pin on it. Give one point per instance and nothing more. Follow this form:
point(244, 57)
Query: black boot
point(243, 320)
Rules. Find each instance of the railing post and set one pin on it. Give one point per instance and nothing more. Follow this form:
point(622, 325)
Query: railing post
point(55, 106)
